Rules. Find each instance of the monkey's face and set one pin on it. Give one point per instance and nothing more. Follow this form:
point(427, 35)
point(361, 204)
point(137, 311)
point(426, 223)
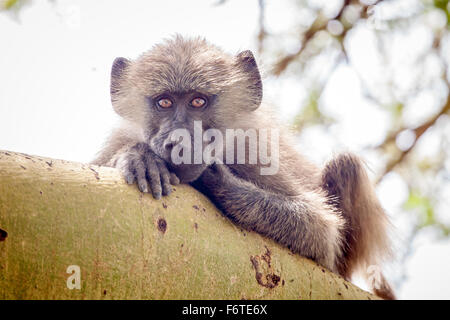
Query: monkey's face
point(177, 117)
point(180, 87)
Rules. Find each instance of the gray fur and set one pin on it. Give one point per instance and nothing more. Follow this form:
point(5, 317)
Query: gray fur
point(330, 215)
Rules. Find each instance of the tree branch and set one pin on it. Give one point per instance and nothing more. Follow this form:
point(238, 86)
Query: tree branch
point(54, 214)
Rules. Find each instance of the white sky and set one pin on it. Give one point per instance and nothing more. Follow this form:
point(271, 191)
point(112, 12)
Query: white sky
point(54, 88)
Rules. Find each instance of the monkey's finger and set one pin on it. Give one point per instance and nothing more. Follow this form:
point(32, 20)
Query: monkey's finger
point(128, 175)
point(128, 172)
point(174, 179)
point(165, 179)
point(139, 168)
point(154, 177)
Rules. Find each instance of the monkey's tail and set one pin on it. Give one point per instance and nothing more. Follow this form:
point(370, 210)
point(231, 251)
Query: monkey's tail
point(366, 233)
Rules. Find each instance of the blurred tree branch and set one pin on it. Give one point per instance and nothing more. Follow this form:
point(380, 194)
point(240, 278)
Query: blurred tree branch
point(262, 29)
point(387, 22)
point(419, 130)
point(320, 24)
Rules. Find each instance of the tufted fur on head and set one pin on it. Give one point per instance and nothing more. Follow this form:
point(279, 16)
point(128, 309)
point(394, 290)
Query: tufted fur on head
point(183, 65)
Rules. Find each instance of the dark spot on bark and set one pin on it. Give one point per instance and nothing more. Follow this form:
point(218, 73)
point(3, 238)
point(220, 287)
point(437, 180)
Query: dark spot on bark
point(174, 189)
point(258, 274)
point(282, 282)
point(162, 225)
point(49, 163)
point(275, 278)
point(3, 235)
point(40, 193)
point(95, 174)
point(264, 273)
point(196, 226)
point(104, 292)
point(266, 256)
point(339, 294)
point(182, 245)
point(23, 167)
point(204, 210)
point(346, 287)
point(323, 270)
point(164, 205)
point(195, 207)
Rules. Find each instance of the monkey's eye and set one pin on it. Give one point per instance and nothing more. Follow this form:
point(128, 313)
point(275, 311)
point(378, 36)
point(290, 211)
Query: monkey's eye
point(198, 102)
point(164, 103)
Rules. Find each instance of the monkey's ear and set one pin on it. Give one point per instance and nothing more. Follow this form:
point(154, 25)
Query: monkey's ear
point(118, 69)
point(248, 63)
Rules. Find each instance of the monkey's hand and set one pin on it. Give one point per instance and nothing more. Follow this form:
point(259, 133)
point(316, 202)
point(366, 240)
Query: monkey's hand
point(140, 164)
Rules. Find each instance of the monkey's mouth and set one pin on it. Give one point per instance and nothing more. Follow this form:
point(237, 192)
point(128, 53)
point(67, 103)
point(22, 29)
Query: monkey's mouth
point(187, 172)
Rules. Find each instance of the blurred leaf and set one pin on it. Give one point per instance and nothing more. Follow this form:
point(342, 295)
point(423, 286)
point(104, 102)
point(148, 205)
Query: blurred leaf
point(9, 3)
point(310, 114)
point(397, 109)
point(444, 6)
point(12, 8)
point(423, 206)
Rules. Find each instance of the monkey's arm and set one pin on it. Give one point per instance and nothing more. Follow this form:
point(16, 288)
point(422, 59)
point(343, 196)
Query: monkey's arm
point(126, 151)
point(117, 143)
point(303, 223)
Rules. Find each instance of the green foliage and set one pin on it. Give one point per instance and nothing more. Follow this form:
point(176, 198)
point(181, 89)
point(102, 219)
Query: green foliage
point(8, 4)
point(443, 5)
point(310, 113)
point(423, 205)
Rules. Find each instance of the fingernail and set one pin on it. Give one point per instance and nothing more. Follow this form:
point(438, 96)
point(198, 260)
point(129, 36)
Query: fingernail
point(143, 188)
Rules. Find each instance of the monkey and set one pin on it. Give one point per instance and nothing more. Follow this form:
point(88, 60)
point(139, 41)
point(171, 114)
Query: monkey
point(330, 215)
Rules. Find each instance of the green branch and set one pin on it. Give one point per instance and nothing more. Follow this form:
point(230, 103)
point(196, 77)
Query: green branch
point(55, 214)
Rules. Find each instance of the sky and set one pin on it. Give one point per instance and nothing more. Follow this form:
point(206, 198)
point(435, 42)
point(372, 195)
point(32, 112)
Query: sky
point(55, 60)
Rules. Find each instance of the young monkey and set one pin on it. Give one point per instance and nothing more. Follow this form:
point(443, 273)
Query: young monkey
point(329, 214)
